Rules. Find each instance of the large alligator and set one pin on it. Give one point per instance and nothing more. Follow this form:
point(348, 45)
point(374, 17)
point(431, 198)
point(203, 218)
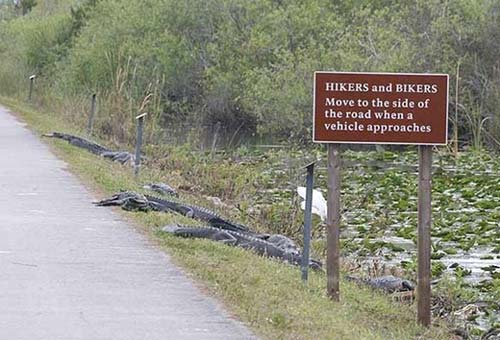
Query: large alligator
point(242, 240)
point(134, 201)
point(196, 212)
point(122, 157)
point(79, 142)
point(389, 283)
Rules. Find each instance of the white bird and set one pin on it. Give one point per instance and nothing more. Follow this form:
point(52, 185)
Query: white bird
point(318, 202)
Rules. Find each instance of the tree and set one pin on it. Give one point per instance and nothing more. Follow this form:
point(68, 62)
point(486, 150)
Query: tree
point(26, 5)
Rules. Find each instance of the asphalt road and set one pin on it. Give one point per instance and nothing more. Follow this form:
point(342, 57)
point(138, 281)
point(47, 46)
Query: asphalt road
point(70, 270)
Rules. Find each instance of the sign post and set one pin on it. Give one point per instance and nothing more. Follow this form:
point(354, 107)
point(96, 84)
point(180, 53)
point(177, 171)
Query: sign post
point(333, 223)
point(138, 142)
point(32, 81)
point(424, 235)
point(381, 108)
point(307, 221)
point(92, 113)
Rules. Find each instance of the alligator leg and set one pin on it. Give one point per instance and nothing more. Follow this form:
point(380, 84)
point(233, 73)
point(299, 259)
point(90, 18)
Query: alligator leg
point(188, 212)
point(225, 238)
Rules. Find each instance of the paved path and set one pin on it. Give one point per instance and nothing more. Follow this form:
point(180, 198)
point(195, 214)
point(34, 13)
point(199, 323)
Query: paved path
point(69, 270)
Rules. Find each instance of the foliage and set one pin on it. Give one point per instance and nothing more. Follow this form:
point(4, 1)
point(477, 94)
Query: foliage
point(27, 5)
point(249, 65)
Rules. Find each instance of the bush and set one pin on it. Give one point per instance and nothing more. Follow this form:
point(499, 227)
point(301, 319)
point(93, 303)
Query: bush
point(248, 66)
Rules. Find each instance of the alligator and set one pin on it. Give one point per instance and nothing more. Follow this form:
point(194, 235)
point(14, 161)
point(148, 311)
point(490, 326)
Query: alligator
point(79, 142)
point(134, 201)
point(128, 200)
point(161, 188)
point(196, 212)
point(122, 157)
point(389, 283)
point(240, 239)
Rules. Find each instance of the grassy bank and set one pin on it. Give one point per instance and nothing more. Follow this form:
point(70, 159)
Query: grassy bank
point(266, 295)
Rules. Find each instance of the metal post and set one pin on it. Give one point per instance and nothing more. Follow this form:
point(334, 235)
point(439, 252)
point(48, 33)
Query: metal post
point(333, 223)
point(307, 221)
point(32, 80)
point(424, 235)
point(138, 142)
point(91, 117)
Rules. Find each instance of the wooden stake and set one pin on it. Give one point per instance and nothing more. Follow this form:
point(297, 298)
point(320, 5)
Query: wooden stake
point(90, 125)
point(138, 143)
point(455, 125)
point(333, 223)
point(424, 235)
point(32, 81)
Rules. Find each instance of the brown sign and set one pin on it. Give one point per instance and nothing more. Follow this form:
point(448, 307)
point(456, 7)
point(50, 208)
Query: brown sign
point(380, 108)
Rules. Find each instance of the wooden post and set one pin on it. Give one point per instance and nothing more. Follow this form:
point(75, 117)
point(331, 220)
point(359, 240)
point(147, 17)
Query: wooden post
point(333, 223)
point(424, 235)
point(138, 143)
point(32, 81)
point(455, 123)
point(91, 116)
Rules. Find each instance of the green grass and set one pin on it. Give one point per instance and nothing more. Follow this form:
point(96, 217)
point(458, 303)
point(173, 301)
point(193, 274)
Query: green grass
point(266, 295)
